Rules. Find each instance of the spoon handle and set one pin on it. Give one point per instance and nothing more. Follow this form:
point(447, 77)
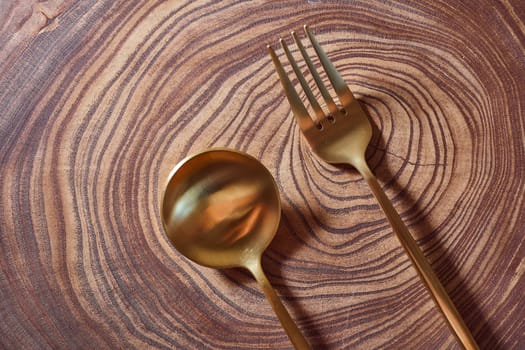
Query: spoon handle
point(293, 332)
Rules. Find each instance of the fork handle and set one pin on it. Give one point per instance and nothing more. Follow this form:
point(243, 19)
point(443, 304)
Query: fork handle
point(427, 275)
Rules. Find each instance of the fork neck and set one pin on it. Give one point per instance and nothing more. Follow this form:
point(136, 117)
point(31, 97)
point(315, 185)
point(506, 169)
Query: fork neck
point(362, 167)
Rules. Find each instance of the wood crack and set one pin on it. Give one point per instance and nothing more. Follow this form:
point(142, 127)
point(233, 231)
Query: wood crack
point(416, 163)
point(50, 21)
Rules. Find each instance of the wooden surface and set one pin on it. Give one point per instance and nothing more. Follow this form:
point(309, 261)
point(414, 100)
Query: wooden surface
point(100, 99)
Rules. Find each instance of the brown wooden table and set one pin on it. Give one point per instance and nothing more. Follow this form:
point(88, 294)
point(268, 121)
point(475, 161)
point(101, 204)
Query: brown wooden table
point(100, 99)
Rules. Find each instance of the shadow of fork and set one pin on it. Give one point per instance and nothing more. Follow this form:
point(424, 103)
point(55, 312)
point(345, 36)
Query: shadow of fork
point(427, 236)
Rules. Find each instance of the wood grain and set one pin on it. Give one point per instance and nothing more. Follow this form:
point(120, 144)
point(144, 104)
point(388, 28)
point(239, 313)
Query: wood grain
point(100, 99)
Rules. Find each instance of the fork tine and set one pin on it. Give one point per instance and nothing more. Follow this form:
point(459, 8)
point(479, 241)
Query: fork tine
point(322, 88)
point(299, 110)
point(340, 87)
point(311, 98)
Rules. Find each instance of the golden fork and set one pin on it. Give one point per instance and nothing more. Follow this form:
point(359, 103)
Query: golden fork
point(342, 136)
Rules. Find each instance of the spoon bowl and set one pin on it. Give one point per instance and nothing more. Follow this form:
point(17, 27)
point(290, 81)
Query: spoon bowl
point(221, 209)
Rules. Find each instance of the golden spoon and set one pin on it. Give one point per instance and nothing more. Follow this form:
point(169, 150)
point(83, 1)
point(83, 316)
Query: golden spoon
point(221, 209)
